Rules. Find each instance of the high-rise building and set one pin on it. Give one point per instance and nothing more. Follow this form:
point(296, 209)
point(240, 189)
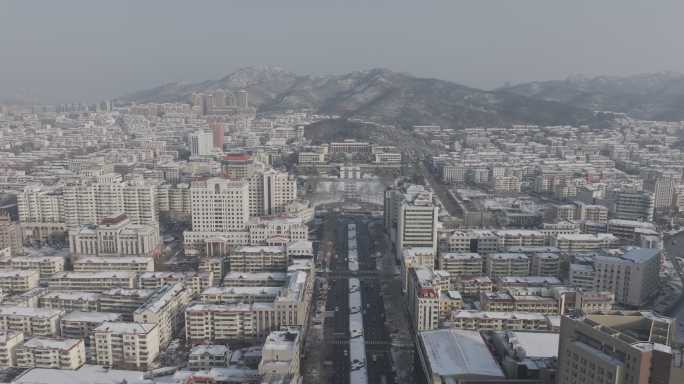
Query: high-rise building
point(634, 206)
point(238, 166)
point(218, 131)
point(40, 204)
point(423, 298)
point(219, 98)
point(411, 218)
point(108, 196)
point(664, 191)
point(10, 235)
point(243, 99)
point(140, 203)
point(632, 276)
point(219, 205)
point(279, 189)
point(625, 348)
point(41, 211)
point(201, 143)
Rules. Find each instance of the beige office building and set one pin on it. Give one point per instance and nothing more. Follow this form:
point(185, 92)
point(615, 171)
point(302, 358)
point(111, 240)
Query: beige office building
point(99, 264)
point(124, 300)
point(70, 301)
point(46, 265)
point(461, 263)
point(507, 264)
point(17, 280)
point(583, 242)
point(80, 325)
point(127, 345)
point(166, 309)
point(30, 321)
point(42, 352)
point(91, 281)
point(258, 259)
point(9, 342)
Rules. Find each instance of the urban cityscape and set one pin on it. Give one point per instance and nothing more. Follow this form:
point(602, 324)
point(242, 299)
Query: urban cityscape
point(370, 227)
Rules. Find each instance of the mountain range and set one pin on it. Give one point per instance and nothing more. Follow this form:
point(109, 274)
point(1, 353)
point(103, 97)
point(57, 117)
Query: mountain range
point(398, 98)
point(652, 96)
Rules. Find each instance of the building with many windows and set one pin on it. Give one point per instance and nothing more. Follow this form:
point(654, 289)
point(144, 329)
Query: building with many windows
point(91, 281)
point(41, 211)
point(10, 235)
point(584, 242)
point(70, 301)
point(411, 218)
point(423, 298)
point(109, 196)
point(97, 264)
point(638, 206)
point(114, 236)
point(124, 300)
point(461, 263)
point(223, 316)
point(507, 264)
point(126, 345)
point(18, 280)
point(42, 352)
point(258, 259)
point(165, 308)
point(630, 348)
point(206, 357)
point(46, 265)
point(80, 325)
point(30, 321)
point(9, 342)
point(201, 143)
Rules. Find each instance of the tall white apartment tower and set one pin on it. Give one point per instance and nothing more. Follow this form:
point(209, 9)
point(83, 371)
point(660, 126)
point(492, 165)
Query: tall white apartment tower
point(417, 220)
point(201, 143)
point(279, 189)
point(219, 205)
point(140, 203)
point(664, 191)
point(270, 191)
point(243, 98)
point(39, 204)
point(110, 196)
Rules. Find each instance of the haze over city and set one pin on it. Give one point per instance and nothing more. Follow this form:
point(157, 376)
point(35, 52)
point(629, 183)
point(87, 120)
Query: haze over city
point(309, 192)
point(76, 50)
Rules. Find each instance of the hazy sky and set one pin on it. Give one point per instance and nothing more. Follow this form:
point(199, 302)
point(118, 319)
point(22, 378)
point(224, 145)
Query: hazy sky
point(63, 50)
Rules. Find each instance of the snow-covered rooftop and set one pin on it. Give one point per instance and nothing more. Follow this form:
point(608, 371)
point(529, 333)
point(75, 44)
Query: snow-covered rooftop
point(91, 317)
point(536, 344)
point(48, 343)
point(87, 374)
point(121, 327)
point(455, 353)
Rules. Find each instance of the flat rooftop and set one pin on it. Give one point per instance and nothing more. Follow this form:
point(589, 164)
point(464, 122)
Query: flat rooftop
point(87, 374)
point(536, 344)
point(458, 353)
